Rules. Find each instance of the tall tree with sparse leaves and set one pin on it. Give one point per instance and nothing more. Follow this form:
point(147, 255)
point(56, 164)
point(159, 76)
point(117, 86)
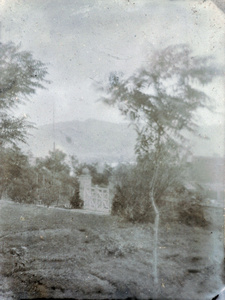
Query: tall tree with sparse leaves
point(161, 100)
point(20, 76)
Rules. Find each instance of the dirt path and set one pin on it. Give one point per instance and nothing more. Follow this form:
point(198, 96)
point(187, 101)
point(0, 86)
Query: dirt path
point(208, 251)
point(5, 284)
point(62, 253)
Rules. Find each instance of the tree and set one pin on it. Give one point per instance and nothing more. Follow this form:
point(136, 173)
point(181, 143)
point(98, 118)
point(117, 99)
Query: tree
point(161, 100)
point(17, 176)
point(55, 162)
point(54, 177)
point(20, 76)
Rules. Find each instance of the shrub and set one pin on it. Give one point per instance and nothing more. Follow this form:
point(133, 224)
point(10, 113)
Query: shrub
point(130, 207)
point(191, 214)
point(21, 191)
point(23, 188)
point(17, 176)
point(190, 210)
point(75, 200)
point(131, 200)
point(49, 194)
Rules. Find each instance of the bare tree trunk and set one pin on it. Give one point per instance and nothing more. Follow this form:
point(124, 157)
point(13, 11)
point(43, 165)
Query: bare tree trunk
point(155, 245)
point(157, 217)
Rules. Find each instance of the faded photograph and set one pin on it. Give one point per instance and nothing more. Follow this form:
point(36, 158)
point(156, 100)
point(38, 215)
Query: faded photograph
point(112, 149)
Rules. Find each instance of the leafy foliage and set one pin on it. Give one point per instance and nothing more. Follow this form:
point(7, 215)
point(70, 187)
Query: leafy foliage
point(132, 186)
point(161, 98)
point(20, 76)
point(161, 101)
point(131, 198)
point(54, 179)
point(55, 162)
point(189, 208)
point(49, 180)
point(75, 200)
point(17, 176)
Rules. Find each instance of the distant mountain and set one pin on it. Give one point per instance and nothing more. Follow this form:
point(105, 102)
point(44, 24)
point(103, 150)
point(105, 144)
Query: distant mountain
point(95, 140)
point(90, 140)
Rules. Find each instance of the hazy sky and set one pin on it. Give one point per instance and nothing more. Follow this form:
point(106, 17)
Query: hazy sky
point(82, 41)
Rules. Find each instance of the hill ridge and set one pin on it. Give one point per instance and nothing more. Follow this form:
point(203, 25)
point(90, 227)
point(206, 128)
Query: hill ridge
point(98, 140)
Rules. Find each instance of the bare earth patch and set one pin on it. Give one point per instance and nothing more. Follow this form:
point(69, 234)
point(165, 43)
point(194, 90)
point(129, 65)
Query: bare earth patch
point(55, 253)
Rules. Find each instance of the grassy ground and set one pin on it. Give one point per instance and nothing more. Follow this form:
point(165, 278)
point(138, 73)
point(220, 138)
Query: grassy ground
point(53, 253)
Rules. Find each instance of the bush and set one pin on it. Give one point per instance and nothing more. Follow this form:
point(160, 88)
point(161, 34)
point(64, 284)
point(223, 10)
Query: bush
point(131, 200)
point(22, 189)
point(17, 176)
point(191, 214)
point(49, 194)
point(190, 210)
point(75, 200)
point(131, 208)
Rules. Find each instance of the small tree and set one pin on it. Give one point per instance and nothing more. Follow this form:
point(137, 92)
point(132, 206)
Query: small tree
point(75, 200)
point(55, 179)
point(161, 100)
point(17, 177)
point(20, 76)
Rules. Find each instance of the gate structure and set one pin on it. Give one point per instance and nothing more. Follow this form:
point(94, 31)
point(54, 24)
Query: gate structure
point(95, 198)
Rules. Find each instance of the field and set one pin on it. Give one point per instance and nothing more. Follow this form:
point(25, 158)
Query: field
point(59, 253)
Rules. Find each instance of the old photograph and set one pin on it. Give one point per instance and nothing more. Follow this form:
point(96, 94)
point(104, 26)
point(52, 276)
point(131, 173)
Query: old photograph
point(112, 149)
